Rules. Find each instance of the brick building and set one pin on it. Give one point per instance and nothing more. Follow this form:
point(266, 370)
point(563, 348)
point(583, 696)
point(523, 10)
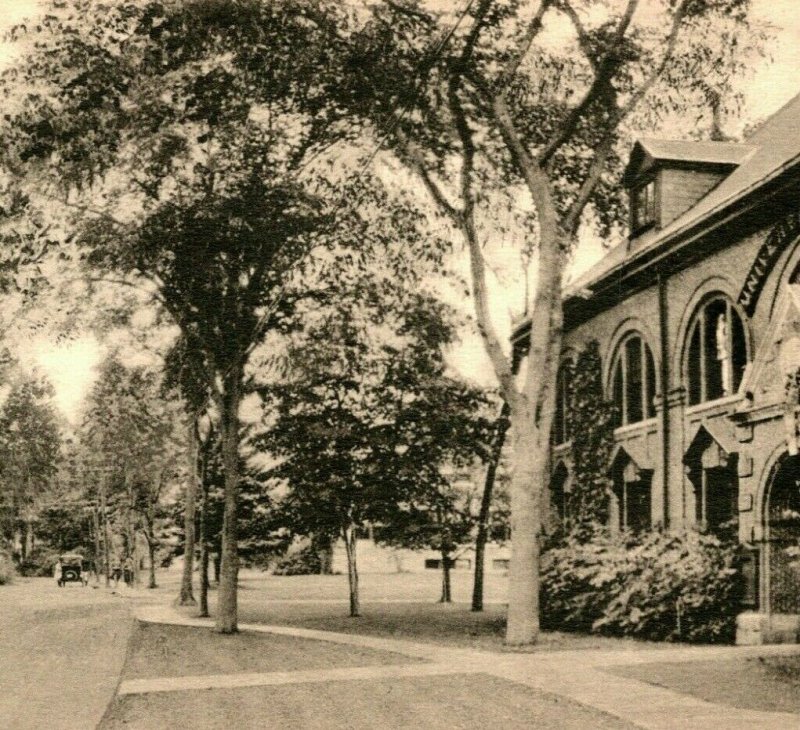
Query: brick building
point(697, 316)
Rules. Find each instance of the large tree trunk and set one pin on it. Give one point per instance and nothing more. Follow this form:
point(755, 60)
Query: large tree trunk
point(522, 626)
point(226, 622)
point(186, 597)
point(447, 594)
point(350, 544)
point(486, 503)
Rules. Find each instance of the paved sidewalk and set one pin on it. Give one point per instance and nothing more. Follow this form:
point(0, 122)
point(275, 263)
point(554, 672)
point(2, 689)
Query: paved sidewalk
point(576, 675)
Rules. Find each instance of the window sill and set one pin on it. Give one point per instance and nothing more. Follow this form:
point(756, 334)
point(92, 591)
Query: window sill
point(713, 405)
point(634, 427)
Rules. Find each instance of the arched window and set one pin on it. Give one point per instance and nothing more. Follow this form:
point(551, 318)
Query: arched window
point(633, 383)
point(561, 432)
point(717, 353)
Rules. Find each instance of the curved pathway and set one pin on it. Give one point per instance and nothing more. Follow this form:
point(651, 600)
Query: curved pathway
point(576, 675)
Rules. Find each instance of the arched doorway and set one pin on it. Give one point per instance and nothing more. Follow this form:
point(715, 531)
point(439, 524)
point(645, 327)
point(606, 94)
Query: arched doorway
point(782, 536)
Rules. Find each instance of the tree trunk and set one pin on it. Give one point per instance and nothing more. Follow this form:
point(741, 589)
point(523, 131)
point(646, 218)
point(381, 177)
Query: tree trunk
point(350, 543)
point(96, 528)
point(130, 531)
point(486, 503)
point(151, 553)
point(217, 566)
point(106, 537)
point(226, 622)
point(204, 579)
point(530, 473)
point(28, 544)
point(186, 597)
point(324, 549)
point(204, 548)
point(447, 596)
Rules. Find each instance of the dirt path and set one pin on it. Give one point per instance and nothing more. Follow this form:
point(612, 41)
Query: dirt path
point(61, 654)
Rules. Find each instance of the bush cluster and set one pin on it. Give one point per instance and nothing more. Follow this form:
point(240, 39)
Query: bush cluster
point(305, 561)
point(39, 563)
point(6, 568)
point(659, 586)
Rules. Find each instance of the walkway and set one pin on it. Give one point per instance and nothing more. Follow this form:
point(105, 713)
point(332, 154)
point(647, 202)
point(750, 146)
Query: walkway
point(576, 675)
point(61, 654)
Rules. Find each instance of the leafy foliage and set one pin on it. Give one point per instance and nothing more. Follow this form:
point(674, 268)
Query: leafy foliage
point(662, 587)
point(30, 449)
point(303, 561)
point(500, 113)
point(39, 562)
point(591, 426)
point(367, 416)
point(130, 451)
point(7, 571)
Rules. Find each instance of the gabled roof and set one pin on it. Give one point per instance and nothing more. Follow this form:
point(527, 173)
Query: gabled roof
point(731, 153)
point(772, 149)
point(647, 152)
point(704, 436)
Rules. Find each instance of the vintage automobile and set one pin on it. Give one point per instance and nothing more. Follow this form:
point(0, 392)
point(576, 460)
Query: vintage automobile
point(71, 570)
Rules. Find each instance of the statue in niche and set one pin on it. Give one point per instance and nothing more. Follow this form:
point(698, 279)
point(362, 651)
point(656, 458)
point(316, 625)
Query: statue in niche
point(723, 354)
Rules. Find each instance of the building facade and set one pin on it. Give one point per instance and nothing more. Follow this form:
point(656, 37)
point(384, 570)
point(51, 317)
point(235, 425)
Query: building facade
point(697, 315)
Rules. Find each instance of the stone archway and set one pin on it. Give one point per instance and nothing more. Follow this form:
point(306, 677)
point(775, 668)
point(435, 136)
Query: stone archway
point(782, 537)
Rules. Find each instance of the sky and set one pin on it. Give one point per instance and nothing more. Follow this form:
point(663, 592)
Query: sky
point(70, 366)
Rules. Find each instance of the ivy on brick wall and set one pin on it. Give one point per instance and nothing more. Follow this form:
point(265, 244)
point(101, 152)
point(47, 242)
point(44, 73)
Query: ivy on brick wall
point(591, 422)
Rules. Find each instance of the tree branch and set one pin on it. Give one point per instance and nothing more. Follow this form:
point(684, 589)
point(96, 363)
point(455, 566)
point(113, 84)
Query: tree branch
point(410, 149)
point(500, 363)
point(534, 176)
point(604, 72)
point(527, 41)
point(573, 215)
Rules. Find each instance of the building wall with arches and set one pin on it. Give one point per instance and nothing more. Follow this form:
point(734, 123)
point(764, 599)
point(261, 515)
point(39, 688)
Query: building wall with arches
point(715, 295)
point(720, 275)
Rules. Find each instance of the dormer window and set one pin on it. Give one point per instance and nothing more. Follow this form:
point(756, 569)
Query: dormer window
point(643, 206)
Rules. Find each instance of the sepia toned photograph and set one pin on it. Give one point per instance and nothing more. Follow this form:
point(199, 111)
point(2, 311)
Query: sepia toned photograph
point(386, 364)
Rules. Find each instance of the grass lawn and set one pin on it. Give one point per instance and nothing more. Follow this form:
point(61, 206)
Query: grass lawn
point(448, 625)
point(435, 703)
point(158, 650)
point(761, 683)
point(397, 605)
